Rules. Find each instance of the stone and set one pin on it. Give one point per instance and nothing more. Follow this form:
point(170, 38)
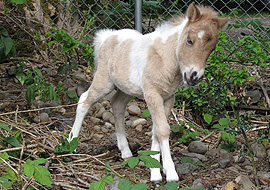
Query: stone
point(183, 169)
point(148, 134)
point(80, 77)
point(111, 120)
point(268, 154)
point(244, 182)
point(139, 127)
point(100, 112)
point(128, 123)
point(82, 87)
point(264, 175)
point(223, 163)
point(134, 109)
point(44, 117)
point(254, 96)
point(98, 136)
point(218, 154)
point(94, 120)
point(104, 130)
point(238, 159)
point(108, 125)
point(107, 115)
point(113, 138)
point(230, 186)
point(197, 184)
point(97, 128)
point(139, 121)
point(194, 155)
point(259, 150)
point(197, 147)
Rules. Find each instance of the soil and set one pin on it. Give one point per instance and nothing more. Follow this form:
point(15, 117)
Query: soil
point(78, 170)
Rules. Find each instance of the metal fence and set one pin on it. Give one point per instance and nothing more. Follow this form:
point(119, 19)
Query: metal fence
point(28, 20)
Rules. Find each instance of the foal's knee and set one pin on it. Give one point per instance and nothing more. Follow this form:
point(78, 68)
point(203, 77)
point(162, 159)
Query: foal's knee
point(162, 132)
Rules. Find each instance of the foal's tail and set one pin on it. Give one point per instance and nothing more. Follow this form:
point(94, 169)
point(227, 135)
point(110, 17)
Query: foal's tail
point(100, 37)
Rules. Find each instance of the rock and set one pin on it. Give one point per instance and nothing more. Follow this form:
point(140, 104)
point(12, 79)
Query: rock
point(128, 123)
point(139, 121)
point(259, 150)
point(197, 147)
point(113, 138)
point(94, 120)
point(100, 111)
point(245, 182)
point(44, 117)
point(134, 109)
point(69, 82)
point(38, 104)
point(149, 134)
point(82, 87)
point(219, 154)
point(80, 77)
point(106, 103)
point(248, 167)
point(50, 72)
point(111, 120)
point(223, 163)
point(194, 155)
point(264, 175)
point(139, 127)
point(230, 186)
point(98, 136)
point(268, 154)
point(107, 115)
point(97, 128)
point(108, 125)
point(238, 159)
point(254, 96)
point(104, 130)
point(183, 169)
point(197, 184)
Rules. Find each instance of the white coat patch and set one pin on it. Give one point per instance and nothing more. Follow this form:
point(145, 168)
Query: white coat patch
point(200, 34)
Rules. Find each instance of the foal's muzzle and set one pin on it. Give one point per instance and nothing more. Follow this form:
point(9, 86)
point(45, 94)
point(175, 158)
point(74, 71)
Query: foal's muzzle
point(193, 79)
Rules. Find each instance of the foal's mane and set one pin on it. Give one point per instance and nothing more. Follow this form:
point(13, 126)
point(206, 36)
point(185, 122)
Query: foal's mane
point(206, 12)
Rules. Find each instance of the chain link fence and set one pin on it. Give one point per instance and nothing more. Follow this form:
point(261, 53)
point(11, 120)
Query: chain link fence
point(29, 22)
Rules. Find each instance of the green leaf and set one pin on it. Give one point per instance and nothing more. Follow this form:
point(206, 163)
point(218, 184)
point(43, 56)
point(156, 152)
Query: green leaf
point(132, 162)
point(171, 186)
point(73, 144)
point(187, 160)
point(42, 175)
point(224, 121)
point(8, 45)
point(108, 167)
point(146, 113)
point(28, 169)
point(97, 185)
point(18, 2)
point(21, 77)
point(6, 128)
point(11, 174)
point(107, 179)
point(13, 141)
point(148, 152)
point(4, 182)
point(30, 95)
point(207, 118)
point(4, 156)
point(150, 162)
point(139, 186)
point(124, 184)
point(37, 161)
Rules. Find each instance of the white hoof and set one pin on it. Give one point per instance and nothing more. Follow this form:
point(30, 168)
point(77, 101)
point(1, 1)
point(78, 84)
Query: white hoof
point(172, 176)
point(155, 175)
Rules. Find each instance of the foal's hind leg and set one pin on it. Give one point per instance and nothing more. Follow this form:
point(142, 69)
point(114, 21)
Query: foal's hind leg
point(119, 103)
point(100, 87)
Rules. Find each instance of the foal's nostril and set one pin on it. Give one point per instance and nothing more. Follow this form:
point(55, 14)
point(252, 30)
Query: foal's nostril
point(193, 76)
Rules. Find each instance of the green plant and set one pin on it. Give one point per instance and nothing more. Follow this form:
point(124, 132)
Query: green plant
point(185, 135)
point(27, 169)
point(6, 44)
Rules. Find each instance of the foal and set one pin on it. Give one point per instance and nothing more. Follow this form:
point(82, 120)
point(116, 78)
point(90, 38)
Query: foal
point(151, 66)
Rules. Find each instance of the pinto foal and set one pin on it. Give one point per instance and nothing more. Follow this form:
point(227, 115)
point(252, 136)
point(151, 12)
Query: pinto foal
point(151, 66)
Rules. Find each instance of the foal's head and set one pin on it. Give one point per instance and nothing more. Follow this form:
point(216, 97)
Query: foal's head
point(197, 41)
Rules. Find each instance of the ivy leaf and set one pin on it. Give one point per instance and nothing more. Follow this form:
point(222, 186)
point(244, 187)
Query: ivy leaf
point(37, 161)
point(97, 185)
point(224, 122)
point(4, 182)
point(11, 174)
point(8, 45)
point(132, 162)
point(139, 186)
point(124, 184)
point(107, 179)
point(150, 162)
point(42, 175)
point(146, 113)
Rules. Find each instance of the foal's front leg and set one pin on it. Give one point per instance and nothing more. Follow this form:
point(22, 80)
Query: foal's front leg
point(161, 133)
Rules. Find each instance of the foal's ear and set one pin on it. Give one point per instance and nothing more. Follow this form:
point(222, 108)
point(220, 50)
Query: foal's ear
point(221, 22)
point(193, 13)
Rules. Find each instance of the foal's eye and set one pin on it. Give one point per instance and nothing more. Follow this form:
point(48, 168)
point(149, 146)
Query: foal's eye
point(189, 42)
